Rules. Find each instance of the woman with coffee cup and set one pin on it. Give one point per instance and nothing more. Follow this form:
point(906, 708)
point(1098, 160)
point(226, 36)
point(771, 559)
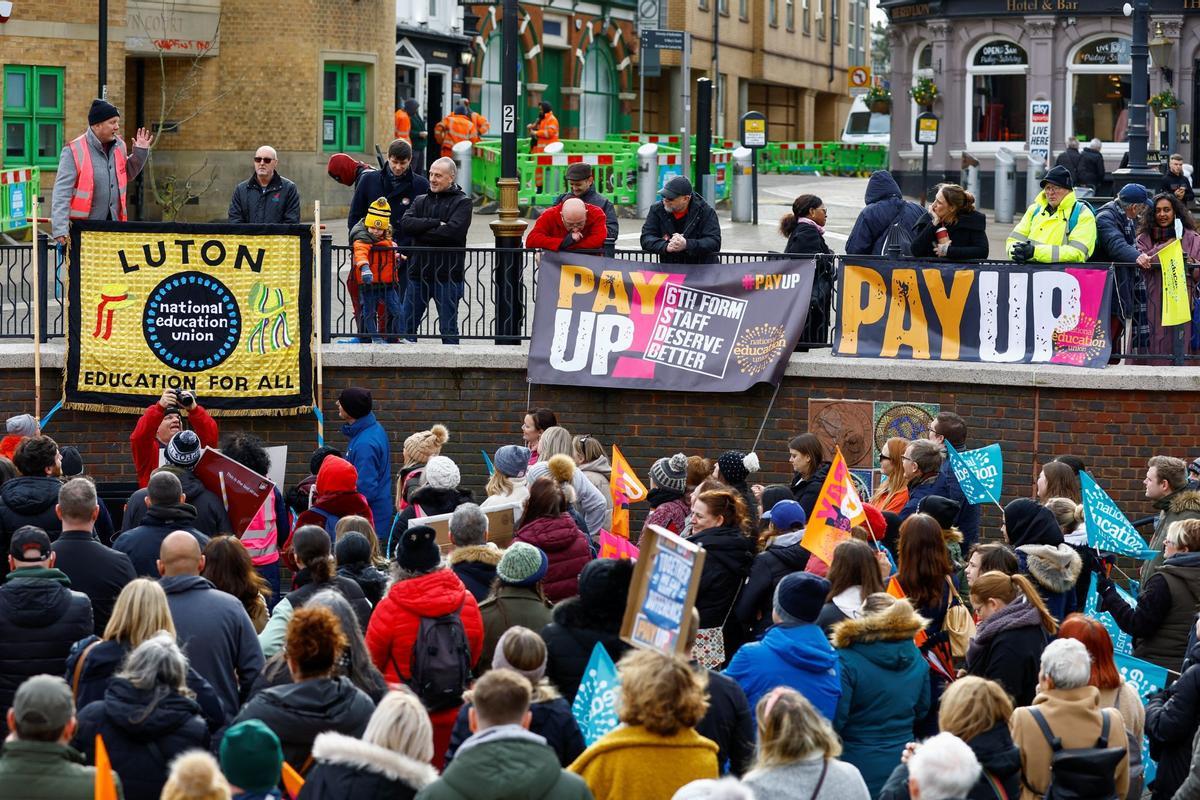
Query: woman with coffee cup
point(952, 229)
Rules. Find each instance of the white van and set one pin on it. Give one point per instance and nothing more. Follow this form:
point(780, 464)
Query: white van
point(864, 126)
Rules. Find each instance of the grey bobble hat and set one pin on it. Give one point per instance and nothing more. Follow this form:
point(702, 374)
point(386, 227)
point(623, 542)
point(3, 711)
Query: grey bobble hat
point(512, 460)
point(670, 473)
point(21, 425)
point(522, 565)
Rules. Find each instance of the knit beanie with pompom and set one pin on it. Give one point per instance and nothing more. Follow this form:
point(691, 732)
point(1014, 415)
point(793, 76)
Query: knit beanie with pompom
point(422, 446)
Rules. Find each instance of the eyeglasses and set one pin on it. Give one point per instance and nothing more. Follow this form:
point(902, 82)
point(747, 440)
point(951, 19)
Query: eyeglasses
point(262, 160)
point(906, 458)
point(884, 457)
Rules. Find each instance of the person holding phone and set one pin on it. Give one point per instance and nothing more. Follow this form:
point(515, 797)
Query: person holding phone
point(162, 420)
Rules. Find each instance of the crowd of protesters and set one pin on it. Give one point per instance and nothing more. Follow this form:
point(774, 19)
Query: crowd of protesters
point(342, 644)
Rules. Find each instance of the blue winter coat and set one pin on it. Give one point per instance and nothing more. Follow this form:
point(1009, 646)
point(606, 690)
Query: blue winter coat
point(885, 689)
point(798, 656)
point(885, 206)
point(371, 455)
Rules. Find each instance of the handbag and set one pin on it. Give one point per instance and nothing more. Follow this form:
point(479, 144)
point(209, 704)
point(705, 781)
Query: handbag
point(709, 649)
point(958, 624)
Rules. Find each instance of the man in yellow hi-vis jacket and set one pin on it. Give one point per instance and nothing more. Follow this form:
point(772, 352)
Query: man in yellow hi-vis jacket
point(1057, 227)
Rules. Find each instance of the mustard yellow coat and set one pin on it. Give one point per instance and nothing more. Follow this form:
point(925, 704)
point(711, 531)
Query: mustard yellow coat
point(632, 762)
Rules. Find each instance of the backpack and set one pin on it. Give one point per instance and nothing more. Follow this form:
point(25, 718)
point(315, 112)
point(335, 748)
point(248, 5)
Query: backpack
point(331, 521)
point(441, 661)
point(898, 239)
point(1082, 773)
point(1072, 220)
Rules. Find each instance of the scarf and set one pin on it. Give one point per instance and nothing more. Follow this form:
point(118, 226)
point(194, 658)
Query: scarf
point(1017, 614)
point(849, 602)
point(1159, 235)
point(812, 222)
point(659, 495)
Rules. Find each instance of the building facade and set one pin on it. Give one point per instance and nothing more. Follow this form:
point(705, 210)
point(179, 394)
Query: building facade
point(991, 59)
point(432, 55)
point(214, 79)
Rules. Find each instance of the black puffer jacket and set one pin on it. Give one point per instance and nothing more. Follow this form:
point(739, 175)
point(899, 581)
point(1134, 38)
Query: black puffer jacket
point(807, 490)
point(806, 239)
point(371, 580)
point(277, 202)
point(299, 711)
point(431, 502)
point(143, 543)
point(211, 518)
point(143, 731)
point(699, 226)
point(40, 618)
point(1091, 168)
point(580, 622)
point(754, 604)
point(726, 566)
point(347, 768)
point(101, 664)
point(996, 753)
point(28, 501)
point(968, 238)
point(305, 588)
point(438, 219)
point(1172, 718)
point(728, 722)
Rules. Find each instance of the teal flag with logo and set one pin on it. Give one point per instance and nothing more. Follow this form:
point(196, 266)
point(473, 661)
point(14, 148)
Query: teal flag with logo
point(1122, 641)
point(980, 473)
point(1147, 678)
point(1107, 528)
point(595, 706)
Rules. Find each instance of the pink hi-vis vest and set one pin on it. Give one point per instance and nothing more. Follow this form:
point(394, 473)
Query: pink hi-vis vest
point(261, 538)
point(85, 179)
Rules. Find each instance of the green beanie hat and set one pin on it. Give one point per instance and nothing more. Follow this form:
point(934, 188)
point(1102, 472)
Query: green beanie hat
point(251, 757)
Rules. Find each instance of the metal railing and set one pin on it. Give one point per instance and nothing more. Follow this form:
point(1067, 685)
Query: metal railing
point(498, 291)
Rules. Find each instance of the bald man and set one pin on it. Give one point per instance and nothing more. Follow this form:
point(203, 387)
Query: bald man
point(266, 197)
point(571, 225)
point(212, 626)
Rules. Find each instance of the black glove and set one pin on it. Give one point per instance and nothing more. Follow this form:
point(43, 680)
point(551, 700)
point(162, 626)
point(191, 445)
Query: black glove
point(1022, 252)
point(1103, 584)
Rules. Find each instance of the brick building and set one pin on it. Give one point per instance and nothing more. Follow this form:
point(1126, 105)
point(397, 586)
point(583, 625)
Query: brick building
point(310, 77)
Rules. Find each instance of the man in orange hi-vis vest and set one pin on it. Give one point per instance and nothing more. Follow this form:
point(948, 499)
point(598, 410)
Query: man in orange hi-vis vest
point(482, 126)
point(94, 170)
point(455, 128)
point(403, 126)
point(545, 130)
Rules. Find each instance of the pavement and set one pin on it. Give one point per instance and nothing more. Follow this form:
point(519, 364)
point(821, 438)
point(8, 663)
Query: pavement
point(843, 198)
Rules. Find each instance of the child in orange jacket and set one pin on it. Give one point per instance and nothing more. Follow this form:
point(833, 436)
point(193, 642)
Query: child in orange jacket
point(374, 271)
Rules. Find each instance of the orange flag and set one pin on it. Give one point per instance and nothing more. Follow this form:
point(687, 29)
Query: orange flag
point(837, 509)
point(106, 785)
point(894, 589)
point(625, 488)
point(292, 782)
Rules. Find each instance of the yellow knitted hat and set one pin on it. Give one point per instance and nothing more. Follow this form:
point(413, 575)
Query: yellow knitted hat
point(379, 215)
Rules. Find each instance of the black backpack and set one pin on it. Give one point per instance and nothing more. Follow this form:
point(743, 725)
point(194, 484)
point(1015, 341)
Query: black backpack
point(898, 241)
point(1082, 773)
point(441, 661)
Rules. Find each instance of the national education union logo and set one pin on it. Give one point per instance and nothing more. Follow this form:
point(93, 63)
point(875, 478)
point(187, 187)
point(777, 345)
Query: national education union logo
point(192, 322)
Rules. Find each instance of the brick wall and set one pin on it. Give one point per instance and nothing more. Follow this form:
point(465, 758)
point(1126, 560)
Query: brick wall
point(1113, 431)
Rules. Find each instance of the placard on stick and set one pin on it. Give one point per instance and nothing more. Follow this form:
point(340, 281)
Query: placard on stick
point(663, 591)
point(242, 490)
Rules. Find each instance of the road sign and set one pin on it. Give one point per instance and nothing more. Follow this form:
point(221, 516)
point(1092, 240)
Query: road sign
point(662, 40)
point(927, 129)
point(754, 130)
point(648, 12)
point(1039, 131)
point(859, 79)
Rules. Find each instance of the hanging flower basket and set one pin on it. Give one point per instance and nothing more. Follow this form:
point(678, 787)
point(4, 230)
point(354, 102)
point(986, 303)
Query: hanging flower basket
point(1164, 100)
point(878, 99)
point(924, 93)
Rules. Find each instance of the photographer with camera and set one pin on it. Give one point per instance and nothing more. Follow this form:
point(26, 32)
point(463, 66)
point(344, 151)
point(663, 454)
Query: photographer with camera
point(163, 420)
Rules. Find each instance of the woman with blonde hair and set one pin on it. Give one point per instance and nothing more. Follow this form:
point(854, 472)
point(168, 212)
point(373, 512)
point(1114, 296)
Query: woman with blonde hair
point(353, 523)
point(591, 459)
point(657, 750)
point(390, 760)
point(556, 441)
point(798, 753)
point(196, 776)
point(141, 611)
point(507, 485)
point(1069, 515)
point(524, 652)
point(952, 229)
point(976, 711)
point(892, 494)
point(1014, 627)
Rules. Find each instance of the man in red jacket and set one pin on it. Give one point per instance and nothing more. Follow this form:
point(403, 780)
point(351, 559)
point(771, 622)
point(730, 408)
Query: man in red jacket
point(163, 420)
point(573, 225)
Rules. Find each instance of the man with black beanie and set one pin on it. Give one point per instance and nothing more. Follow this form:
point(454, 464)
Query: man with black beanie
point(369, 451)
point(94, 171)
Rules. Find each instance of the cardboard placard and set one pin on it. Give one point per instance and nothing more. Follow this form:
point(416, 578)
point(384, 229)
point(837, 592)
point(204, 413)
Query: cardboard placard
point(500, 526)
point(242, 490)
point(277, 454)
point(663, 591)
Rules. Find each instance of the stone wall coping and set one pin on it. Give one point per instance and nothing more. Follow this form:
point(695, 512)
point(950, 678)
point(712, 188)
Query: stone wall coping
point(818, 364)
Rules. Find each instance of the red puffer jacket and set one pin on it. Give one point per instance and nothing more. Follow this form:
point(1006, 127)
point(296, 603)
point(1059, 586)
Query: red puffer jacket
point(336, 494)
point(393, 632)
point(566, 548)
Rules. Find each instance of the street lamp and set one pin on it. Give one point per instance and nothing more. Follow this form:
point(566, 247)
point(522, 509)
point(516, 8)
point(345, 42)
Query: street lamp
point(1161, 49)
point(509, 228)
point(1138, 171)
